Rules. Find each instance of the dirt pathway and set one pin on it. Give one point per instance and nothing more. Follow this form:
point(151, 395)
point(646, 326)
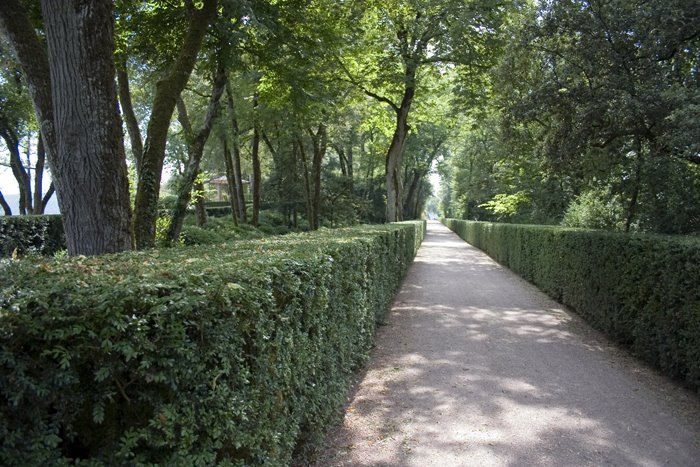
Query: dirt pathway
point(475, 367)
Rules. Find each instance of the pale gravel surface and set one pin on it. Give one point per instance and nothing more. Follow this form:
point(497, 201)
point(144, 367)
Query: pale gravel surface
point(476, 367)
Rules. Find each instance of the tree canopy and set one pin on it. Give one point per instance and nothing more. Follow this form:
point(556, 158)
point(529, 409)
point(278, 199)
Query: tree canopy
point(327, 113)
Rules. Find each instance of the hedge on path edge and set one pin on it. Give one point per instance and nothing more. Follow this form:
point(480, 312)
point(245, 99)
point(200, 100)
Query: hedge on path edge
point(232, 354)
point(641, 290)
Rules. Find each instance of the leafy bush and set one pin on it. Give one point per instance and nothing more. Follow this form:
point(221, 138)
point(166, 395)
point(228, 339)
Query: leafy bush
point(596, 209)
point(639, 289)
point(31, 234)
point(235, 354)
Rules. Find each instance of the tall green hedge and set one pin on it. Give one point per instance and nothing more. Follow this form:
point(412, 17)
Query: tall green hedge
point(642, 290)
point(41, 234)
point(234, 354)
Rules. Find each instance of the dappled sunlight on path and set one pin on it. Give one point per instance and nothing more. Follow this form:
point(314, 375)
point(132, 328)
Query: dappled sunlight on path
point(477, 367)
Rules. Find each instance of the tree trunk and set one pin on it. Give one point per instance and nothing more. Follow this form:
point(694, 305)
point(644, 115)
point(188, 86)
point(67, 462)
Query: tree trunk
point(127, 107)
point(255, 154)
point(90, 168)
point(394, 157)
point(200, 210)
point(31, 53)
point(230, 182)
point(418, 205)
point(47, 197)
point(236, 156)
point(195, 151)
point(167, 91)
point(39, 177)
point(349, 162)
point(5, 207)
point(307, 183)
point(20, 173)
point(632, 208)
point(412, 192)
point(320, 139)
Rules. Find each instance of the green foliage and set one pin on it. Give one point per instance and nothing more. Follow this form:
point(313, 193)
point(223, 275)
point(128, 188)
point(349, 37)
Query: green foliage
point(228, 355)
point(639, 289)
point(36, 234)
point(504, 205)
point(596, 209)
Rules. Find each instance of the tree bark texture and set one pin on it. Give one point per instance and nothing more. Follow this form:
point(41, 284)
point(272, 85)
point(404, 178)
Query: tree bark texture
point(394, 157)
point(236, 155)
point(127, 108)
point(195, 151)
point(89, 167)
point(167, 91)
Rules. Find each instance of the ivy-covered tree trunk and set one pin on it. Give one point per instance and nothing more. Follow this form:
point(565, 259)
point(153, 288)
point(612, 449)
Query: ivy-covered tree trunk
point(200, 210)
point(168, 90)
point(89, 164)
point(195, 151)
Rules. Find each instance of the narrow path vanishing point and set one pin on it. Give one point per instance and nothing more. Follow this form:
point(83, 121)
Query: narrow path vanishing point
point(477, 367)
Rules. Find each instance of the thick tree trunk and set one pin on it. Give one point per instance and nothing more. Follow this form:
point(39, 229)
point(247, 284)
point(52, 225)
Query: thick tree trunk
point(255, 155)
point(39, 177)
point(195, 151)
point(167, 91)
point(5, 207)
point(230, 182)
point(127, 107)
point(90, 164)
point(394, 157)
point(236, 156)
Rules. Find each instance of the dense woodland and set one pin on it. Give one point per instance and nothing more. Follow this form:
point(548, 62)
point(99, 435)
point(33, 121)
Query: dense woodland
point(582, 113)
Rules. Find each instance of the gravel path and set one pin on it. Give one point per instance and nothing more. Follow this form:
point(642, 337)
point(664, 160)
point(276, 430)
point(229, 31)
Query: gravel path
point(476, 367)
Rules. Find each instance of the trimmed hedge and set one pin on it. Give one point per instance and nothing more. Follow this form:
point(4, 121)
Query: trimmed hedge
point(40, 234)
point(234, 354)
point(641, 290)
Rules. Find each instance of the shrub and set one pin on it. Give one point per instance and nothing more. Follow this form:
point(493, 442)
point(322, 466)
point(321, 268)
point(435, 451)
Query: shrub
point(234, 354)
point(31, 234)
point(639, 289)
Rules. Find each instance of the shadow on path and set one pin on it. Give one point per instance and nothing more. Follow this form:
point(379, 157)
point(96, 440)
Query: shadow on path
point(477, 367)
